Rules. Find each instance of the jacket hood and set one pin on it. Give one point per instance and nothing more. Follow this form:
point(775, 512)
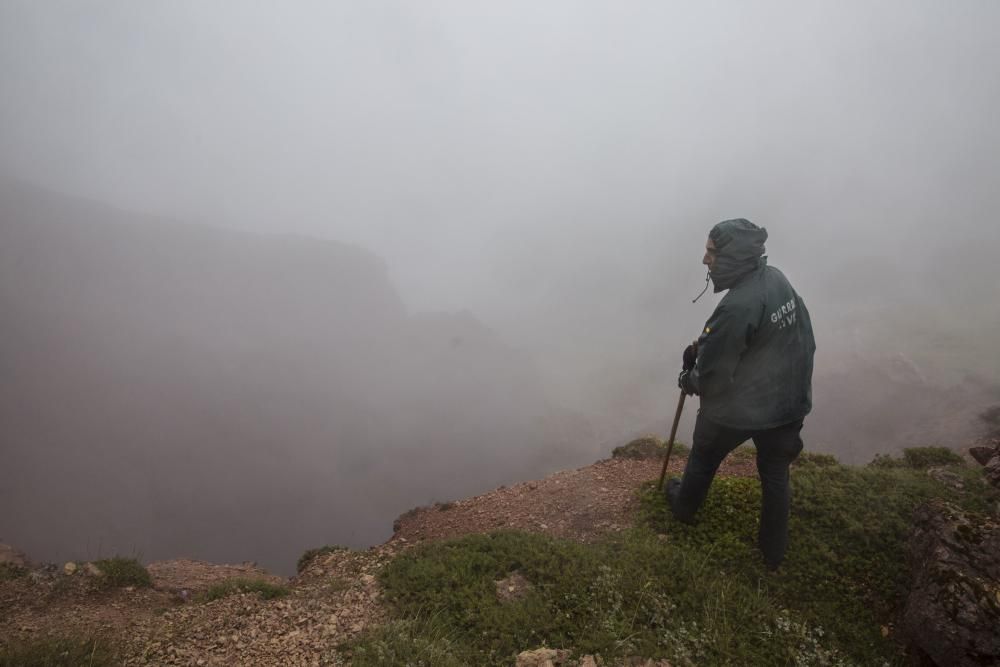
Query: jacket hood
point(739, 248)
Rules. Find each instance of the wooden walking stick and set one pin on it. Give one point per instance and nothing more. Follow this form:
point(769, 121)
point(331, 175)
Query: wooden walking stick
point(670, 443)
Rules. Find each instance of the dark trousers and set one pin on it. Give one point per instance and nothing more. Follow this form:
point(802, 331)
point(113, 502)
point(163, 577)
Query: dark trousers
point(776, 449)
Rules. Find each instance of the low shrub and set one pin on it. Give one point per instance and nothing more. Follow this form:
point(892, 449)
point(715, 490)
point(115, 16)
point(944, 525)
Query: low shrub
point(816, 459)
point(59, 652)
point(419, 642)
point(10, 571)
point(119, 572)
point(928, 457)
point(266, 589)
point(919, 458)
point(648, 447)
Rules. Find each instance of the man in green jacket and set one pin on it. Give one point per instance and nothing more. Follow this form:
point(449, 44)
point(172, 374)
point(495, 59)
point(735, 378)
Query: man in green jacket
point(752, 368)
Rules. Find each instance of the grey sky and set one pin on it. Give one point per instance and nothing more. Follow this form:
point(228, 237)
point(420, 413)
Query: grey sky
point(458, 130)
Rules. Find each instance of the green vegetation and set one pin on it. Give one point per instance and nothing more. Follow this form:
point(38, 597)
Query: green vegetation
point(59, 652)
point(312, 553)
point(266, 589)
point(10, 571)
point(648, 447)
point(419, 642)
point(815, 459)
point(119, 572)
point(692, 594)
point(919, 458)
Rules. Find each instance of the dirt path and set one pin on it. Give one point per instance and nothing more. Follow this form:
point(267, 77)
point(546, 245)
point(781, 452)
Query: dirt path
point(579, 504)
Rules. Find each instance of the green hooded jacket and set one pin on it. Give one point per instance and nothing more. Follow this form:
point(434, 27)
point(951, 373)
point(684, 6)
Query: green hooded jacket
point(755, 354)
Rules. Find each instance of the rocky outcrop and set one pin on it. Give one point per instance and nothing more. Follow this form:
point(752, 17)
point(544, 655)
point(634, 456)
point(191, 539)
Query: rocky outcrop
point(953, 610)
point(987, 454)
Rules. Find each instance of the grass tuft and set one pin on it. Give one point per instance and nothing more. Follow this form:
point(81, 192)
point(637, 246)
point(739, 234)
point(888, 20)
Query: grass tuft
point(59, 652)
point(266, 589)
point(919, 458)
point(9, 571)
point(119, 572)
point(418, 642)
point(648, 447)
point(816, 459)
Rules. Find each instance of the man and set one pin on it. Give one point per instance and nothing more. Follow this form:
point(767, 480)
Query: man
point(752, 368)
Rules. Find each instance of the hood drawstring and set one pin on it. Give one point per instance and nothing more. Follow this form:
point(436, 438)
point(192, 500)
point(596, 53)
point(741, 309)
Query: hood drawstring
point(707, 276)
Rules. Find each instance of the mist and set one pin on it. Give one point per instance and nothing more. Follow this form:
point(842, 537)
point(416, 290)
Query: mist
point(316, 233)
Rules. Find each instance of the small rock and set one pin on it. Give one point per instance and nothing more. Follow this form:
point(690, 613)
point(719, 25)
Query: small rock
point(946, 477)
point(513, 587)
point(69, 568)
point(92, 570)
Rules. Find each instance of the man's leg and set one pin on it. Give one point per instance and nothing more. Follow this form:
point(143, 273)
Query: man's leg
point(712, 442)
point(776, 449)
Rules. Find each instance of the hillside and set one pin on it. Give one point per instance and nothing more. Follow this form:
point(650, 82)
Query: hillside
point(585, 561)
point(212, 384)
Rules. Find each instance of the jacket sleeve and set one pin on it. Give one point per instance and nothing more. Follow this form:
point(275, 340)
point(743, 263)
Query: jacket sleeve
point(721, 344)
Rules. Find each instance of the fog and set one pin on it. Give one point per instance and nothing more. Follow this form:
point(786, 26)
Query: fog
point(248, 243)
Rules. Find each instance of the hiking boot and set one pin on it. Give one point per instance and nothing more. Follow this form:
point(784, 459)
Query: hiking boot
point(671, 492)
point(672, 489)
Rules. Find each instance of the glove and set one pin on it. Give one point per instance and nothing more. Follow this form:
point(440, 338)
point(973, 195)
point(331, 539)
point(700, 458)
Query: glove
point(690, 356)
point(684, 382)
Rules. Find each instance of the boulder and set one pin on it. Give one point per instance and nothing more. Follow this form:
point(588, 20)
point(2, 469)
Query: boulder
point(992, 471)
point(982, 453)
point(946, 477)
point(953, 609)
point(513, 587)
